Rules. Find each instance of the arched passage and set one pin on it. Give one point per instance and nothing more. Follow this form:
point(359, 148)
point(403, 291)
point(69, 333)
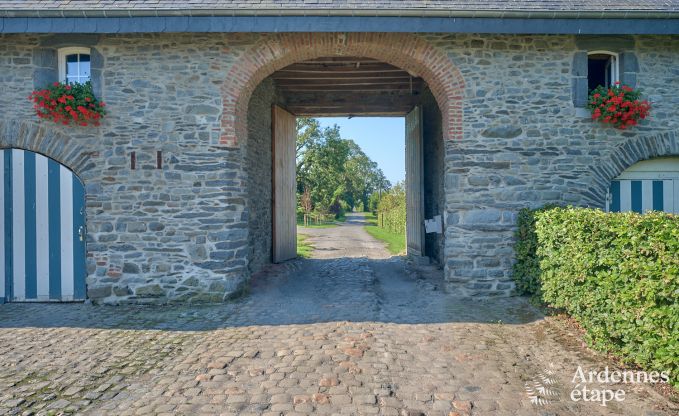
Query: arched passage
point(409, 52)
point(627, 154)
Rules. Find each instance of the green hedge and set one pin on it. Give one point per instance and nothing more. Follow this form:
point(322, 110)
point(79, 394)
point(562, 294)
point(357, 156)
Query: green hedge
point(393, 220)
point(391, 210)
point(618, 276)
point(526, 270)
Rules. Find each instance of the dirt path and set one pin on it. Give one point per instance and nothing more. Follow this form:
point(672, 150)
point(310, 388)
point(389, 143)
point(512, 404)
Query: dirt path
point(347, 240)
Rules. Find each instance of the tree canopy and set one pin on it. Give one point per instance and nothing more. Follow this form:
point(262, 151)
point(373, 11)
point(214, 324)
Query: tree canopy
point(336, 173)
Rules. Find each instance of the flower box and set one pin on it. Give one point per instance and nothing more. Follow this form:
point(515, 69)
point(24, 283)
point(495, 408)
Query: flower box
point(68, 104)
point(619, 105)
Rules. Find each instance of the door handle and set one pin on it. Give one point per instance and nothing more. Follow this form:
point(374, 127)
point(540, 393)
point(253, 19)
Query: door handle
point(81, 233)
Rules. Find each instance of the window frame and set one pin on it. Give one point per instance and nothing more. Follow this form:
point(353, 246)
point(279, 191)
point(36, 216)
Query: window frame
point(71, 50)
point(615, 68)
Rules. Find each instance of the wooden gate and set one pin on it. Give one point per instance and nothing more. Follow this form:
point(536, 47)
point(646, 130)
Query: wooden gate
point(284, 139)
point(414, 184)
point(649, 185)
point(42, 231)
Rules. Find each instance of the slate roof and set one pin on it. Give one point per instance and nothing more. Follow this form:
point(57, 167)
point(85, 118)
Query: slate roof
point(380, 6)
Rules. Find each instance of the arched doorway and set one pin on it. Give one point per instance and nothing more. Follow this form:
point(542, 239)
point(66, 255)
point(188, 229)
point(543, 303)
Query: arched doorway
point(352, 86)
point(408, 52)
point(649, 185)
point(42, 230)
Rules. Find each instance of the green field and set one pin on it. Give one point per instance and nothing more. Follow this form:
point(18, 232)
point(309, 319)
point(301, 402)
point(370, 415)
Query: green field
point(396, 243)
point(304, 248)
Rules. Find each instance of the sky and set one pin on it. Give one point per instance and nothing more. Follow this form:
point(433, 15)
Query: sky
point(381, 138)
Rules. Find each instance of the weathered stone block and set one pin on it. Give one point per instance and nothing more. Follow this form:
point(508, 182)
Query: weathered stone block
point(505, 131)
point(149, 291)
point(481, 216)
point(98, 292)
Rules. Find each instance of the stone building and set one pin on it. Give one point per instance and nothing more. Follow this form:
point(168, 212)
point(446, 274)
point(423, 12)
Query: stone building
point(178, 179)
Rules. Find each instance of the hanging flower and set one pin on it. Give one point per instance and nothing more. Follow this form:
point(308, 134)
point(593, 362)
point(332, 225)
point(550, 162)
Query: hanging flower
point(58, 102)
point(619, 105)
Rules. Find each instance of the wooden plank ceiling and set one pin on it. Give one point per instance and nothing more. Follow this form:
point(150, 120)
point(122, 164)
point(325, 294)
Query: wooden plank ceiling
point(347, 86)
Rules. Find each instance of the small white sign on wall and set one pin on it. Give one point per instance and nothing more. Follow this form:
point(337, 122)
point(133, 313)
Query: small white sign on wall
point(434, 225)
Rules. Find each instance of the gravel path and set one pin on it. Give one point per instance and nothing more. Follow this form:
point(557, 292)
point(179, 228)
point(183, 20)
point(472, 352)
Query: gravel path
point(349, 239)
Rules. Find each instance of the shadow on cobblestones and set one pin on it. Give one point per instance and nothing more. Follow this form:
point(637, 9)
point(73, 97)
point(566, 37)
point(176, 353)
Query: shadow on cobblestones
point(351, 331)
point(309, 291)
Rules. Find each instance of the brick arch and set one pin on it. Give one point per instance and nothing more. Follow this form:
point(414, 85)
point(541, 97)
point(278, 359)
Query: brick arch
point(48, 142)
point(406, 51)
point(630, 152)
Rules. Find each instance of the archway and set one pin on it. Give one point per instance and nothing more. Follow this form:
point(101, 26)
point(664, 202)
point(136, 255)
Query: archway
point(627, 154)
point(649, 185)
point(410, 54)
point(42, 229)
point(406, 51)
point(339, 86)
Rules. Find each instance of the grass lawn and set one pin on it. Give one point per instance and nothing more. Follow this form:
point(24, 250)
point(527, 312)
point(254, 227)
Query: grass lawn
point(371, 218)
point(304, 248)
point(396, 243)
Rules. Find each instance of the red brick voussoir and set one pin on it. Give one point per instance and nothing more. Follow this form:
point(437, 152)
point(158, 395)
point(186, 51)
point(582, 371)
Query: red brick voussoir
point(273, 52)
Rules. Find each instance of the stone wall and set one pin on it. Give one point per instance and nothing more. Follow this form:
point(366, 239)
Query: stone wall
point(183, 232)
point(176, 233)
point(258, 168)
point(525, 146)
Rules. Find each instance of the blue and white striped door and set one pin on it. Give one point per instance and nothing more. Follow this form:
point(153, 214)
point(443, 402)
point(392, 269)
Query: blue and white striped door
point(42, 229)
point(644, 195)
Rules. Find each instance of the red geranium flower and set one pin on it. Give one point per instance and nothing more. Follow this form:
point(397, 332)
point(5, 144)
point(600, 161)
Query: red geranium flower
point(59, 102)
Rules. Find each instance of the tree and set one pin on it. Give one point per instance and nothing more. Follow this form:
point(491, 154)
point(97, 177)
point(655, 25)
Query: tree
point(335, 172)
point(307, 205)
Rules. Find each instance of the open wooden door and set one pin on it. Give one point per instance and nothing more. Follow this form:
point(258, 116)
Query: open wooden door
point(284, 138)
point(414, 184)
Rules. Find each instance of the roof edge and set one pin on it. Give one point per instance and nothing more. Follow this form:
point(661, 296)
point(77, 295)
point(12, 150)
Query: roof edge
point(523, 14)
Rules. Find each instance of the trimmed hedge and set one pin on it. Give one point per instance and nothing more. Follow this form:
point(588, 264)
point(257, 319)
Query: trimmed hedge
point(618, 276)
point(526, 270)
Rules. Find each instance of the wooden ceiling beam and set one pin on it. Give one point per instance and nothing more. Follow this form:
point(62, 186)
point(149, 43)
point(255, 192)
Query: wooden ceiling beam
point(355, 88)
point(343, 86)
point(358, 82)
point(342, 75)
point(350, 103)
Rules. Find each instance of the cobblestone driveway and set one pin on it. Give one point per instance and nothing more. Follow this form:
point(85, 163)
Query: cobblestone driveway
point(326, 336)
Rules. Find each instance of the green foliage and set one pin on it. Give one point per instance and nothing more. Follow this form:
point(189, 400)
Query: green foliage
point(335, 171)
point(618, 275)
point(304, 247)
point(373, 201)
point(391, 210)
point(396, 243)
point(526, 270)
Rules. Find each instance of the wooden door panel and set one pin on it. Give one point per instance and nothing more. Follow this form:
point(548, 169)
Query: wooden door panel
point(414, 184)
point(43, 233)
point(284, 137)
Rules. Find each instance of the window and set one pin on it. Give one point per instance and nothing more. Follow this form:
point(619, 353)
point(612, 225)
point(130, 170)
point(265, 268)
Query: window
point(602, 69)
point(74, 65)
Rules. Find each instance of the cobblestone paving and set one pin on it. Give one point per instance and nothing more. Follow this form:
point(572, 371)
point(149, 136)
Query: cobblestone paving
point(333, 336)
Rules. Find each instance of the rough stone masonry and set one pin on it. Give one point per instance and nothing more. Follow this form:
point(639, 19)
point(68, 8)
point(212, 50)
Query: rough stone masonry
point(512, 137)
